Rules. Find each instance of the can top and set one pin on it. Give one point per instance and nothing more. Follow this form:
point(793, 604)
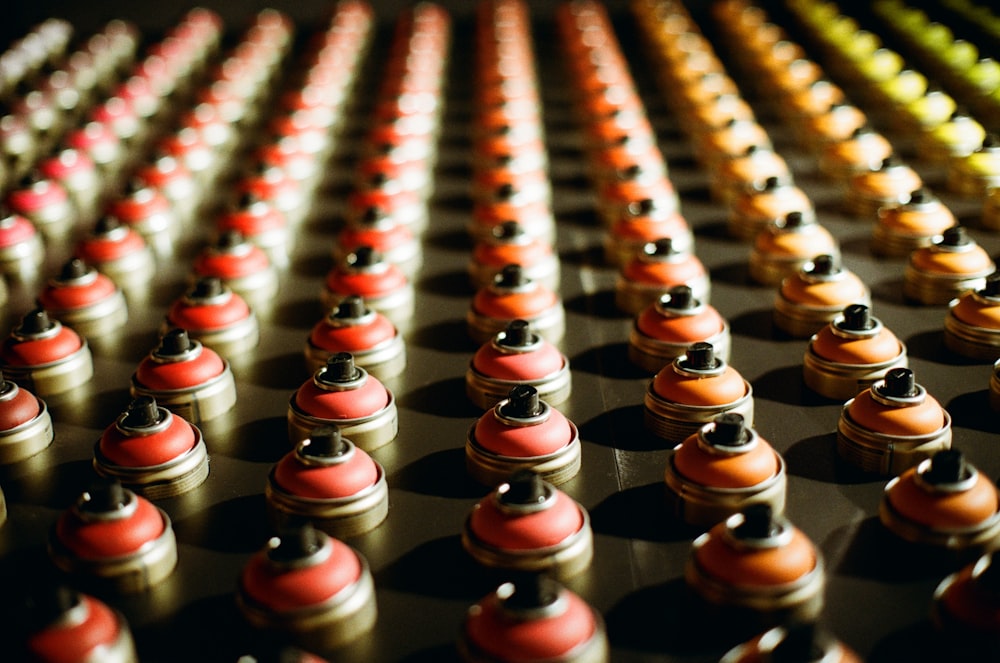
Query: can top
point(944, 493)
point(525, 514)
point(300, 568)
point(755, 549)
point(531, 619)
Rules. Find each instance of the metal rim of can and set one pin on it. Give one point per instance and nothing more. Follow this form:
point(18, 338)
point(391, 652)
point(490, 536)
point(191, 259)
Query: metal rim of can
point(632, 297)
point(894, 244)
point(566, 559)
point(200, 403)
point(339, 517)
point(98, 318)
point(133, 573)
point(978, 537)
point(549, 324)
point(485, 391)
point(970, 340)
point(887, 454)
point(346, 615)
point(652, 354)
point(802, 321)
point(27, 439)
point(701, 505)
point(935, 289)
point(842, 381)
point(58, 376)
point(177, 476)
point(491, 469)
point(368, 433)
point(675, 421)
point(383, 361)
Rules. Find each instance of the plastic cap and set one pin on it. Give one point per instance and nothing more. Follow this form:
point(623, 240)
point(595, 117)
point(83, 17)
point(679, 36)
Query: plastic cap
point(104, 495)
point(73, 269)
point(364, 256)
point(517, 334)
point(340, 368)
point(758, 523)
point(174, 342)
point(531, 592)
point(900, 383)
point(857, 317)
point(947, 466)
point(678, 297)
point(801, 643)
point(729, 431)
point(350, 307)
point(36, 321)
point(524, 488)
point(955, 236)
point(207, 288)
point(511, 276)
point(295, 544)
point(824, 265)
point(325, 442)
point(142, 412)
point(523, 402)
point(701, 356)
point(992, 288)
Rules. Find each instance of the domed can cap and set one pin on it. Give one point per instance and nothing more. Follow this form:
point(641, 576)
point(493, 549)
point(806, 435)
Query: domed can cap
point(665, 329)
point(527, 524)
point(512, 296)
point(329, 482)
point(86, 300)
point(759, 566)
point(153, 452)
point(850, 354)
point(966, 606)
point(310, 588)
point(709, 388)
point(795, 641)
point(516, 356)
point(653, 272)
point(114, 539)
point(890, 452)
point(351, 326)
point(342, 394)
point(522, 432)
point(217, 317)
point(383, 285)
point(815, 295)
point(951, 266)
point(786, 246)
point(77, 626)
point(972, 324)
point(186, 377)
point(46, 357)
point(720, 470)
point(121, 253)
point(533, 619)
point(26, 423)
point(944, 503)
